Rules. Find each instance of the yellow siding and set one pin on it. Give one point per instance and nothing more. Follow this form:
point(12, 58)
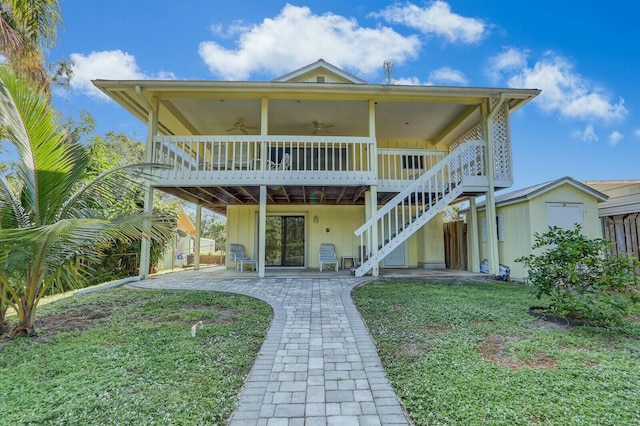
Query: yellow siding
point(567, 194)
point(523, 219)
point(341, 221)
point(425, 245)
point(429, 244)
point(517, 238)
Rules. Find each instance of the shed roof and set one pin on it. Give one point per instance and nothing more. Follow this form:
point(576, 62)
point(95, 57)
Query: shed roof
point(534, 191)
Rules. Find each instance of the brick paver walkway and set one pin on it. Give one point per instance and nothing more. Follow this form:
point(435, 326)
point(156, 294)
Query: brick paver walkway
point(317, 366)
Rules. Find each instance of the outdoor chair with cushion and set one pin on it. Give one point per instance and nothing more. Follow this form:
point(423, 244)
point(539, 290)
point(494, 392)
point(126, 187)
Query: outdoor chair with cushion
point(236, 254)
point(328, 255)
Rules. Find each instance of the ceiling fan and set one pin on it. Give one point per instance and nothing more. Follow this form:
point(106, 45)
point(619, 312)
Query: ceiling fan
point(239, 125)
point(319, 126)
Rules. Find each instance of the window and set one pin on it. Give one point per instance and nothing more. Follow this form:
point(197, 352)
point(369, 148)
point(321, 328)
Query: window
point(499, 227)
point(412, 162)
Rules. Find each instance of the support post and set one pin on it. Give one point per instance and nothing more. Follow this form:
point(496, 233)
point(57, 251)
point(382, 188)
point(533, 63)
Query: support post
point(473, 240)
point(373, 191)
point(152, 130)
point(262, 225)
point(196, 246)
point(490, 199)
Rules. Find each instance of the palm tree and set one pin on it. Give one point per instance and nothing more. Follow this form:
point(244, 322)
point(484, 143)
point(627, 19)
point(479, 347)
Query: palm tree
point(51, 214)
point(27, 29)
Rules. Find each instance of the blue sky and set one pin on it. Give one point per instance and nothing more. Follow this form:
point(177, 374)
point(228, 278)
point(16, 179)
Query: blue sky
point(583, 55)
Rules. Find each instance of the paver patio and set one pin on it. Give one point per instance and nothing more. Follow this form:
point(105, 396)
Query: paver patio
point(318, 364)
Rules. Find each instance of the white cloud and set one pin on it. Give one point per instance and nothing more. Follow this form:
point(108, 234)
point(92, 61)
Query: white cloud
point(615, 137)
point(409, 81)
point(588, 134)
point(566, 93)
point(297, 37)
point(446, 75)
point(637, 132)
point(107, 65)
point(437, 19)
point(510, 60)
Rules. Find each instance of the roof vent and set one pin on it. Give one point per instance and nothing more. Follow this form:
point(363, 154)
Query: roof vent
point(320, 79)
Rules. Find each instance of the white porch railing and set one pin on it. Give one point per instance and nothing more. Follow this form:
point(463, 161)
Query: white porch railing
point(420, 201)
point(259, 159)
point(398, 167)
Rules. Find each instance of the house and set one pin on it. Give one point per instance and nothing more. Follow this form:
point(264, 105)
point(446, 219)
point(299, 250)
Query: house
point(620, 214)
point(520, 214)
point(180, 247)
point(320, 156)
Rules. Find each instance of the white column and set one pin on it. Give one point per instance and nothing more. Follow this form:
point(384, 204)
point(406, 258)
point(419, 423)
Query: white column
point(262, 214)
point(196, 247)
point(264, 131)
point(373, 189)
point(492, 226)
point(262, 224)
point(152, 130)
point(473, 240)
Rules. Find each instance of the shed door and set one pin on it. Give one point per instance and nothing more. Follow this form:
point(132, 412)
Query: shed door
point(564, 215)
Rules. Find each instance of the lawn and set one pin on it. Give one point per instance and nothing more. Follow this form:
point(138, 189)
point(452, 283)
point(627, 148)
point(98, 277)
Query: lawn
point(463, 352)
point(126, 356)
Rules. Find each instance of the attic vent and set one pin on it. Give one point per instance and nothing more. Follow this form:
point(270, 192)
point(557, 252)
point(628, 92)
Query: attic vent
point(320, 79)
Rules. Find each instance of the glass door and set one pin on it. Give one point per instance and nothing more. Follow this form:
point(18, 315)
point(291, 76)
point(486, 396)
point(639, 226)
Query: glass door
point(285, 241)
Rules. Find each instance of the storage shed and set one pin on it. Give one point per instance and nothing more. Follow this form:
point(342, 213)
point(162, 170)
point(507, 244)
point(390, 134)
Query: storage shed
point(520, 214)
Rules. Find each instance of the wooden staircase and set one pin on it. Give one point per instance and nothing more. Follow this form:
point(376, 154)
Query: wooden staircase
point(417, 204)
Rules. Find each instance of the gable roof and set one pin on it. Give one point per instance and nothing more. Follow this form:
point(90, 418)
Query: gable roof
point(323, 67)
point(539, 189)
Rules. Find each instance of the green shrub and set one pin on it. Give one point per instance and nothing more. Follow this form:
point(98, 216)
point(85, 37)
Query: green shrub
point(581, 278)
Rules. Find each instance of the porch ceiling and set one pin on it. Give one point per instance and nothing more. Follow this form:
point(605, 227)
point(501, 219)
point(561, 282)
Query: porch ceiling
point(428, 113)
point(394, 120)
point(218, 198)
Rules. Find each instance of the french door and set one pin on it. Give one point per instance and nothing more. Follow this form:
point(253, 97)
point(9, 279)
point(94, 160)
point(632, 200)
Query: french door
point(284, 245)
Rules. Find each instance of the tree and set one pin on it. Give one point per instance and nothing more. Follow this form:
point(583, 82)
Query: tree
point(214, 227)
point(580, 277)
point(388, 68)
point(27, 29)
point(50, 214)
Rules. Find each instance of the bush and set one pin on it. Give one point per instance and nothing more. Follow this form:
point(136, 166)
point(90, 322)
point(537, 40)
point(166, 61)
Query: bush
point(581, 278)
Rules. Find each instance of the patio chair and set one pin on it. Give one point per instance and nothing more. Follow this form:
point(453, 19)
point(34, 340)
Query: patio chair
point(328, 255)
point(285, 164)
point(236, 254)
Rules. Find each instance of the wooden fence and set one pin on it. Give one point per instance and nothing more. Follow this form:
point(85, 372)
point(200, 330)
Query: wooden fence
point(455, 245)
point(624, 233)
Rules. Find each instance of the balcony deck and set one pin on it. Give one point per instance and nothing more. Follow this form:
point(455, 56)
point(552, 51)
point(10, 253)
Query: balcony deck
point(218, 171)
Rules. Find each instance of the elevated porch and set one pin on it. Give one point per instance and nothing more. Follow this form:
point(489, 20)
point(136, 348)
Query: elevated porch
point(218, 171)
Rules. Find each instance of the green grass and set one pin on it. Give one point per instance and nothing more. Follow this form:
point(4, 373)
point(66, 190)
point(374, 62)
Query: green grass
point(469, 353)
point(124, 356)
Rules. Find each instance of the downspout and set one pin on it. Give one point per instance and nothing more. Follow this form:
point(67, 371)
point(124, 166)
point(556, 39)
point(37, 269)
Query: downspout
point(492, 237)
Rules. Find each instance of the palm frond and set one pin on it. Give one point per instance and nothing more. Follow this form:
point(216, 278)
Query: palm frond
point(49, 162)
point(61, 241)
point(12, 214)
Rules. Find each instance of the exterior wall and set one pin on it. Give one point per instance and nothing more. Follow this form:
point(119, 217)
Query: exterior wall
point(566, 194)
point(429, 244)
point(179, 247)
point(517, 237)
point(341, 221)
point(426, 245)
point(522, 220)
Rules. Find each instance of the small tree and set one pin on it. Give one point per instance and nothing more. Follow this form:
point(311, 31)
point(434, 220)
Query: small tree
point(582, 280)
point(50, 214)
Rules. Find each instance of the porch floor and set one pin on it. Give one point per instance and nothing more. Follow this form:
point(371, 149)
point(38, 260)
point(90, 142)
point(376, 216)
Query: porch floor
point(223, 272)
